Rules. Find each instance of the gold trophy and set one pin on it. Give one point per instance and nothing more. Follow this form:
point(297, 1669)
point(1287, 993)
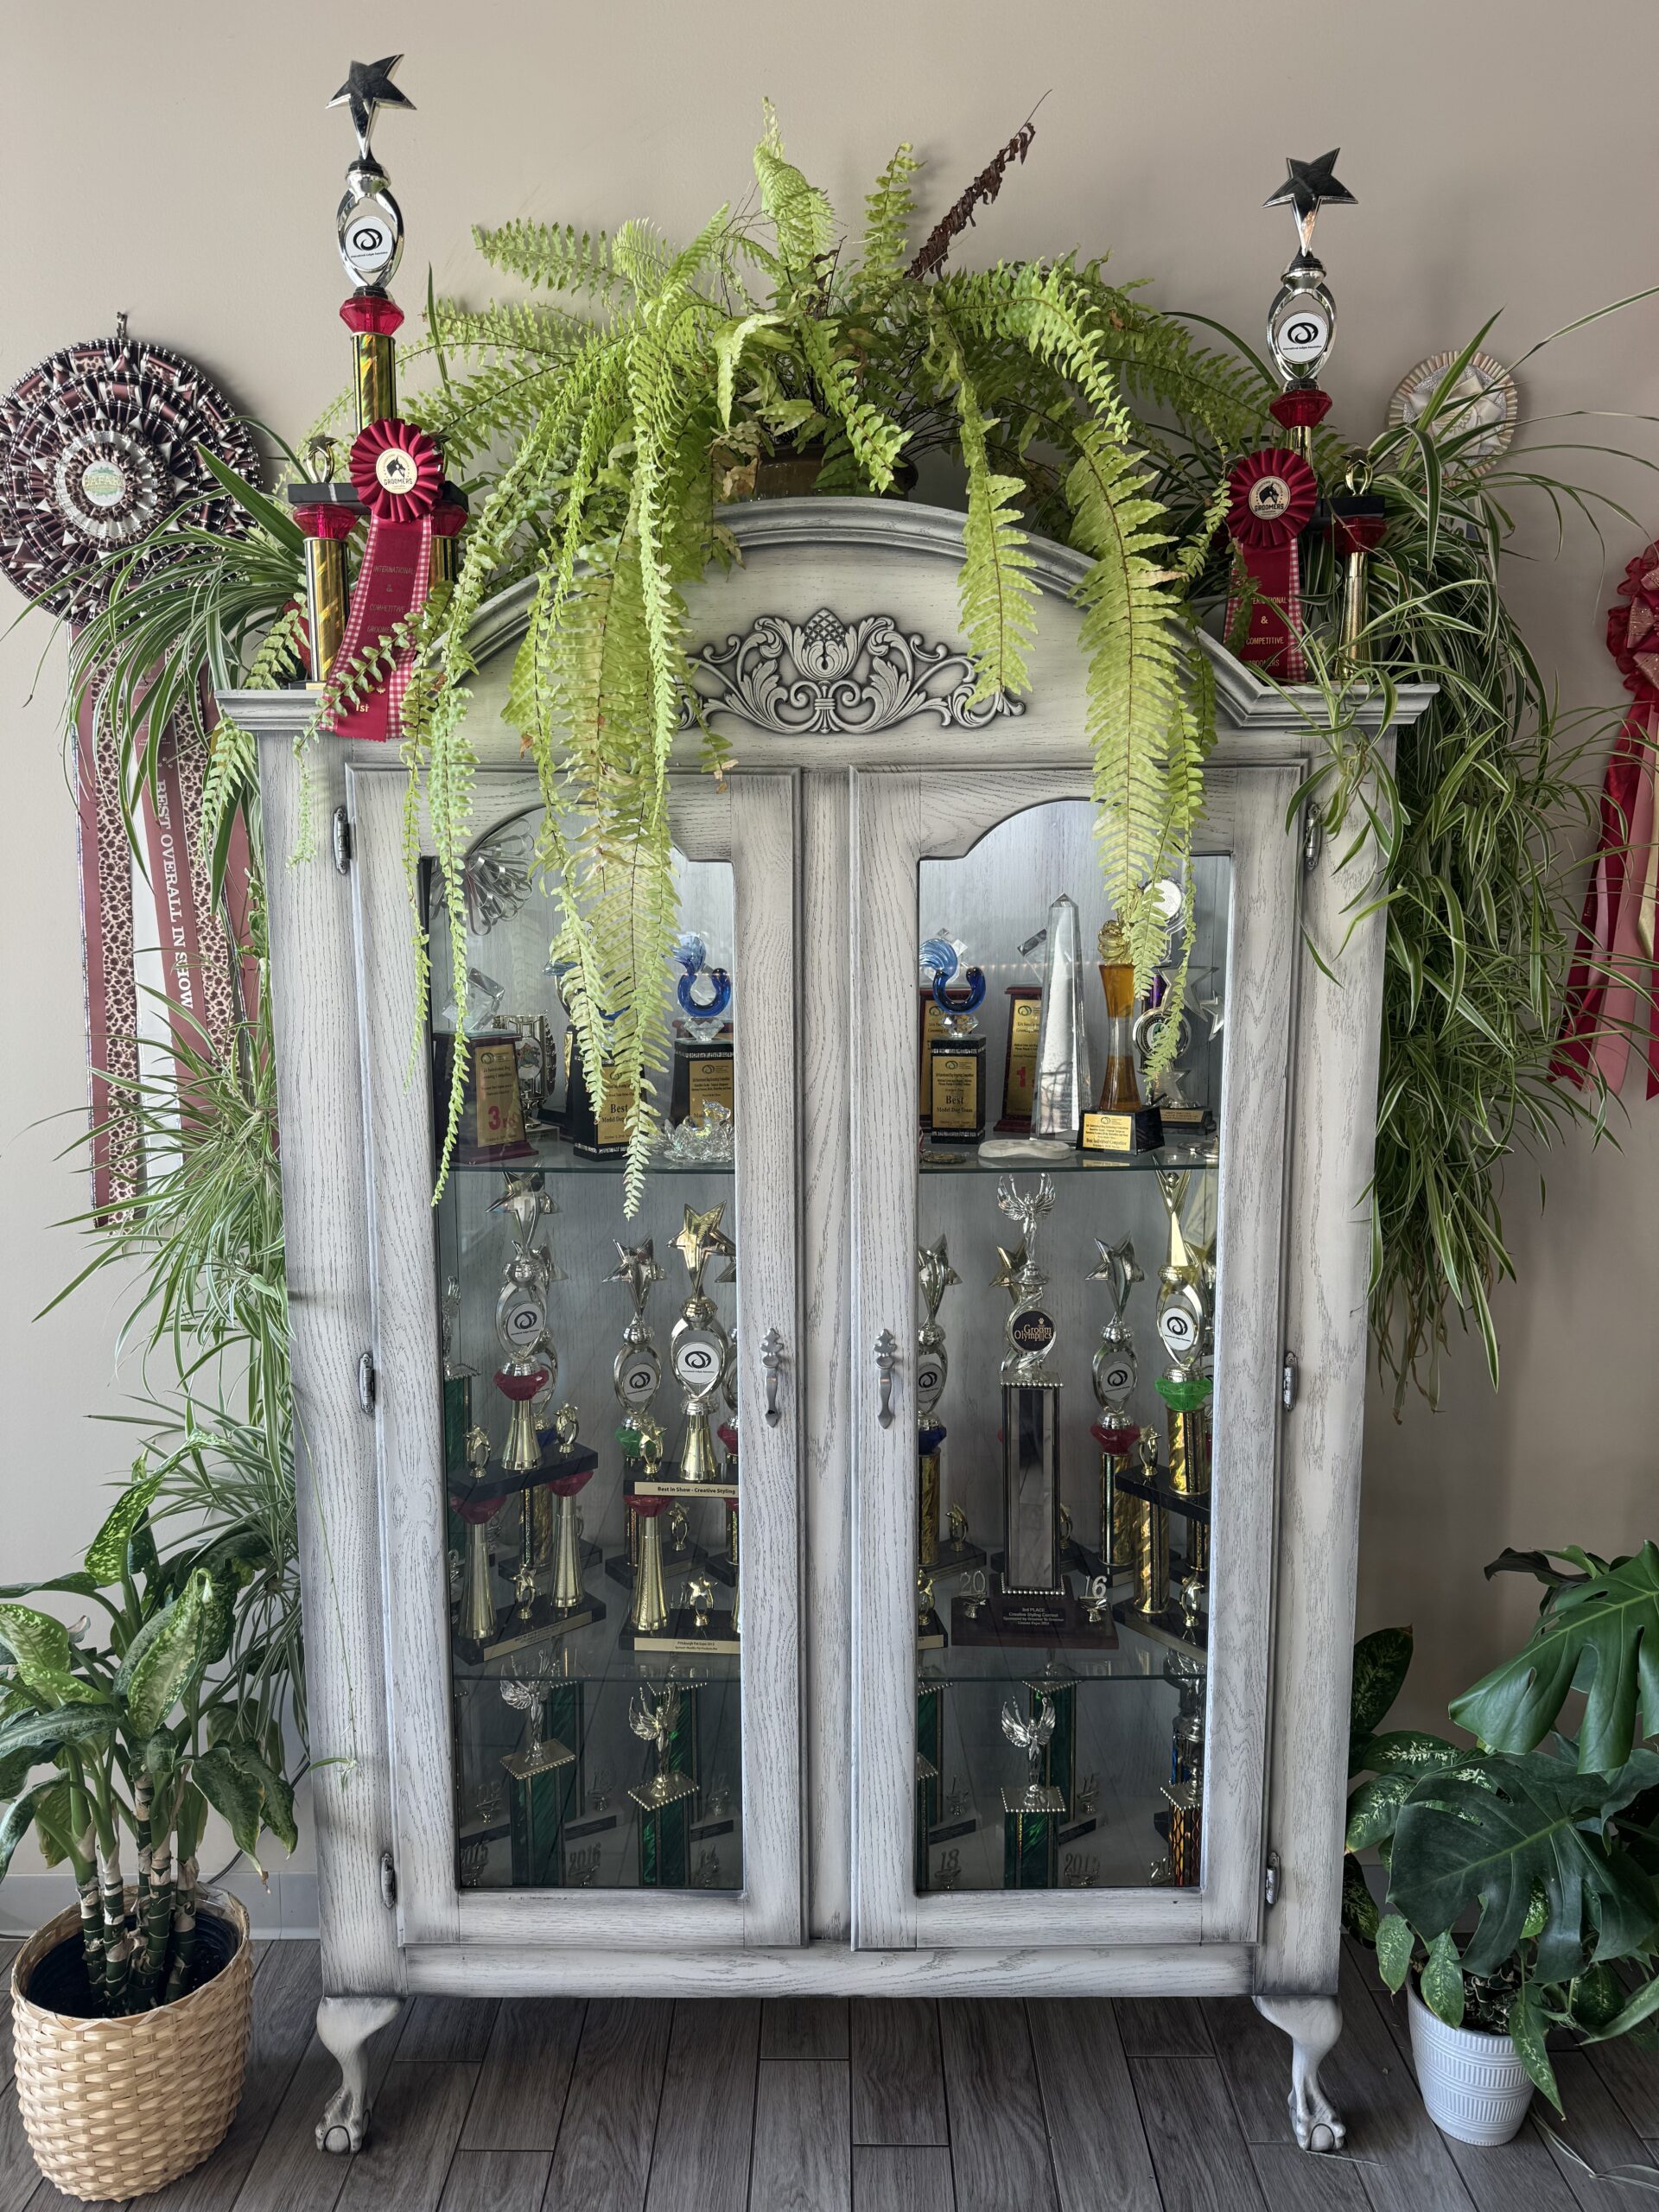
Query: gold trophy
point(1151, 1540)
point(1185, 1308)
point(699, 1348)
point(664, 1800)
point(937, 1276)
point(649, 1612)
point(475, 1626)
point(1115, 1431)
point(531, 1366)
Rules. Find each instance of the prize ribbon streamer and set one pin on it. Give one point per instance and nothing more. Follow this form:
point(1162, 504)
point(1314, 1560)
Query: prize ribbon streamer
point(1275, 493)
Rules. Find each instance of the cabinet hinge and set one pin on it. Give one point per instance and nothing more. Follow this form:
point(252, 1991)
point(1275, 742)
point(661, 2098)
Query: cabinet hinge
point(342, 840)
point(388, 1880)
point(365, 1381)
point(1270, 1880)
point(1290, 1376)
point(1312, 837)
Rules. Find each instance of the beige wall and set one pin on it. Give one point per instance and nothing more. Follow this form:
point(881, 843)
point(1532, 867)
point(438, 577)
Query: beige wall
point(176, 160)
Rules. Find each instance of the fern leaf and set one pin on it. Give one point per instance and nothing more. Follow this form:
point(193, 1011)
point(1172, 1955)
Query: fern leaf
point(888, 212)
point(800, 214)
point(730, 338)
point(997, 595)
point(876, 438)
point(562, 259)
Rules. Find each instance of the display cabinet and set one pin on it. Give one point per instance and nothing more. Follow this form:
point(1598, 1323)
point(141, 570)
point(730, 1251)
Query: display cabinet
point(914, 1549)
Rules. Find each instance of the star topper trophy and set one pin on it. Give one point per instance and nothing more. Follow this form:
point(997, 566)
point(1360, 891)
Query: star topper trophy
point(395, 472)
point(1274, 491)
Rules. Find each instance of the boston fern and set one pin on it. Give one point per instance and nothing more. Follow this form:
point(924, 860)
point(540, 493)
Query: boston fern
point(615, 434)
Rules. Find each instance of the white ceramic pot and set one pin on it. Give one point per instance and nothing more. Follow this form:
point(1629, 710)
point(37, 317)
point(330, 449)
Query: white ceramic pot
point(1472, 2084)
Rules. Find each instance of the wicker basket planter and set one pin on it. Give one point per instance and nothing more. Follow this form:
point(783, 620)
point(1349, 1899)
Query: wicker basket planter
point(117, 2109)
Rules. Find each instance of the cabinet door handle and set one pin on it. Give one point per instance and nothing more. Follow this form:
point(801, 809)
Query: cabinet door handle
point(771, 1358)
point(887, 1358)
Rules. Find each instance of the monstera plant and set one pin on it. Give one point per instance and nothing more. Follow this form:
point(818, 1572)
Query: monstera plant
point(1548, 1843)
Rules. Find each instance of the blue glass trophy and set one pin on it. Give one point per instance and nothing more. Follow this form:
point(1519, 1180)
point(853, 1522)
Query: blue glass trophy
point(953, 1059)
point(703, 1039)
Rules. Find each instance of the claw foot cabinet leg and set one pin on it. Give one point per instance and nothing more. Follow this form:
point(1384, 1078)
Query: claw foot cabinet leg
point(1312, 2024)
point(345, 2024)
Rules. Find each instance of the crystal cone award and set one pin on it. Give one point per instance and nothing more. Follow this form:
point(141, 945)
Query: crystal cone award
point(1121, 1120)
point(955, 1075)
point(1062, 1078)
point(1115, 1431)
point(396, 472)
point(702, 1069)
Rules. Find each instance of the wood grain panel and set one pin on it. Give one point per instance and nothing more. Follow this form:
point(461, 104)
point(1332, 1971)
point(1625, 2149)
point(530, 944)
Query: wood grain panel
point(495, 2181)
point(289, 2173)
point(455, 2030)
point(705, 2123)
point(1596, 2130)
point(887, 2179)
point(1162, 2027)
point(1296, 2181)
point(1371, 2088)
point(898, 2073)
point(803, 2027)
point(401, 2166)
point(325, 1216)
point(802, 2159)
point(1197, 2151)
point(999, 2143)
point(1098, 2143)
point(525, 2076)
point(603, 2159)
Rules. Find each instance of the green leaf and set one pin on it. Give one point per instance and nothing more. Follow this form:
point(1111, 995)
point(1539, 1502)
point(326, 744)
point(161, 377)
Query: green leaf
point(54, 1826)
point(164, 1657)
point(40, 1647)
point(35, 1738)
point(1600, 1636)
point(1380, 1664)
point(1595, 1999)
point(277, 521)
point(275, 1787)
point(1642, 2006)
point(233, 1794)
point(1412, 1751)
point(1441, 1981)
point(1374, 1810)
point(1359, 1909)
point(1485, 1834)
point(1394, 1945)
point(78, 1584)
point(106, 1555)
point(16, 1822)
point(1526, 2032)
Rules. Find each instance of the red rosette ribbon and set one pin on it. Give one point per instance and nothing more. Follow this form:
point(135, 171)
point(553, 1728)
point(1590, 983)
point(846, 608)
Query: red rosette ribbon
point(1612, 987)
point(1275, 493)
point(398, 473)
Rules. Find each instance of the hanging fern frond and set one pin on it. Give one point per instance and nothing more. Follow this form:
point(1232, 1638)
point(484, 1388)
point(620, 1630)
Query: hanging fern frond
point(889, 211)
point(562, 260)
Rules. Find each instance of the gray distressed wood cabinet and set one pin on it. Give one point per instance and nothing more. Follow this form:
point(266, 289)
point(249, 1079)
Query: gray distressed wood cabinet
point(593, 1712)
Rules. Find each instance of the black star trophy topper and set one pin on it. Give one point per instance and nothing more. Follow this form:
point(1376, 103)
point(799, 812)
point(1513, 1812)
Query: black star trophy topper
point(368, 85)
point(1302, 320)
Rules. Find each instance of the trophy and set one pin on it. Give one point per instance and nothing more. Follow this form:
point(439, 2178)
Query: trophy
point(1115, 1431)
point(1030, 1816)
point(1062, 1078)
point(1185, 1307)
point(936, 1275)
point(1020, 1059)
point(457, 1382)
point(1122, 1121)
point(1031, 1490)
point(396, 470)
point(490, 1130)
point(1057, 1687)
point(702, 1069)
point(475, 1619)
point(568, 1593)
point(953, 1057)
point(531, 1366)
point(699, 1348)
point(538, 1786)
point(664, 1800)
point(648, 1614)
point(636, 1370)
point(1151, 1537)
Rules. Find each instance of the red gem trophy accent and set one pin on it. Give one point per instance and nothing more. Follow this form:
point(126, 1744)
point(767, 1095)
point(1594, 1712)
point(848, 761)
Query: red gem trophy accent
point(1275, 493)
point(1612, 985)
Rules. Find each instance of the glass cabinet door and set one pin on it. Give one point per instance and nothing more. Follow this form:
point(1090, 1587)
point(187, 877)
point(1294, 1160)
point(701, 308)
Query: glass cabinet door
point(1068, 1300)
point(575, 1533)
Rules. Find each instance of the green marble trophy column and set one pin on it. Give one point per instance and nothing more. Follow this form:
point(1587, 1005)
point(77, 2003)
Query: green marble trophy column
point(1030, 1816)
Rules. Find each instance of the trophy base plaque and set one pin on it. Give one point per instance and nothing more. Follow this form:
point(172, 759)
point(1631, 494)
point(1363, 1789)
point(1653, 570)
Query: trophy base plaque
point(930, 1635)
point(1019, 1065)
point(1031, 1620)
point(514, 1634)
point(1123, 1134)
point(956, 1074)
point(492, 1130)
point(681, 1635)
point(703, 1075)
point(665, 1483)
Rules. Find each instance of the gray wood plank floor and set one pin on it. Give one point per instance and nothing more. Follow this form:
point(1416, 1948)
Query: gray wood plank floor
point(552, 2105)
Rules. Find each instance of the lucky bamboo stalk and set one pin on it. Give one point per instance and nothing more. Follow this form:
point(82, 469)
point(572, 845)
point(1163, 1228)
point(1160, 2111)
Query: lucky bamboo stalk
point(84, 1859)
point(184, 1933)
point(143, 1964)
point(117, 1949)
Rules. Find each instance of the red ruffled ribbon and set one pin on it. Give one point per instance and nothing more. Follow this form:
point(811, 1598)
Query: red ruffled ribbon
point(396, 472)
point(1612, 987)
point(1275, 493)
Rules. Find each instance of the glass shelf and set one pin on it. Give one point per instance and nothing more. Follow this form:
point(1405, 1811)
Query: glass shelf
point(554, 1156)
point(1202, 1160)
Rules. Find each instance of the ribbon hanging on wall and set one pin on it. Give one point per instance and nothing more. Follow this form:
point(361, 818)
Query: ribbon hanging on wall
point(99, 454)
point(1613, 989)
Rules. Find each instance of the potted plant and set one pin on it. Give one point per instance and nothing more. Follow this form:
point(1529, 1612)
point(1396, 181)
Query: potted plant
point(130, 2009)
point(1553, 1852)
